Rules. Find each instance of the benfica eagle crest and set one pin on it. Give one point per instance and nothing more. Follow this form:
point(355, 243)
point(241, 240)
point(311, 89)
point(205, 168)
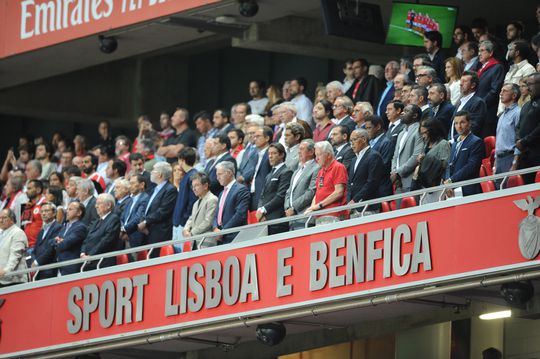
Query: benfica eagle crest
point(529, 228)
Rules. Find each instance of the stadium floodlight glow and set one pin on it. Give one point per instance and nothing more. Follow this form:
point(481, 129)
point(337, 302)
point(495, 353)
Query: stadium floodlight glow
point(496, 315)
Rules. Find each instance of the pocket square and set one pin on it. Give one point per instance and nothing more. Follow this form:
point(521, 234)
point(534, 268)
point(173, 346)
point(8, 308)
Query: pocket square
point(464, 149)
point(274, 179)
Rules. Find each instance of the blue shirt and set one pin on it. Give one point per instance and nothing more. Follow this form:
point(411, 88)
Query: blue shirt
point(184, 201)
point(506, 129)
point(200, 144)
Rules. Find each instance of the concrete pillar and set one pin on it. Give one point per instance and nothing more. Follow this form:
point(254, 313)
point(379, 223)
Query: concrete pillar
point(430, 341)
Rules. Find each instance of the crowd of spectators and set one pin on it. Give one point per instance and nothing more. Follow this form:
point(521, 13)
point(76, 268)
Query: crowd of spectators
point(277, 155)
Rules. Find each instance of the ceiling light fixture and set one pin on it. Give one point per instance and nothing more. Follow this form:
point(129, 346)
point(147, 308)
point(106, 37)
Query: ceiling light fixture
point(496, 315)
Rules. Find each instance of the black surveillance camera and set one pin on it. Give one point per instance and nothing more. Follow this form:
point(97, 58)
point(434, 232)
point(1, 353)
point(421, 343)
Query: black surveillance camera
point(517, 293)
point(271, 333)
point(107, 44)
point(248, 8)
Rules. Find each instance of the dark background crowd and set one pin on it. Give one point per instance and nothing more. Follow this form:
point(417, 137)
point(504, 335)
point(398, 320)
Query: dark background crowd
point(441, 116)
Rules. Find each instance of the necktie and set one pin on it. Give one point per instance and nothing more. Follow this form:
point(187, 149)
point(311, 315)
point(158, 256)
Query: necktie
point(221, 206)
point(209, 166)
point(391, 128)
point(356, 89)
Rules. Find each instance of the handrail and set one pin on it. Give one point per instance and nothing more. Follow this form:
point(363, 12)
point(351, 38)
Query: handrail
point(204, 236)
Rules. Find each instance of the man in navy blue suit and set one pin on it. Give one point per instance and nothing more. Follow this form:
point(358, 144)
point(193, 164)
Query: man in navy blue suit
point(263, 137)
point(157, 220)
point(71, 237)
point(103, 234)
point(134, 213)
point(467, 154)
point(233, 202)
point(470, 102)
point(383, 145)
point(44, 251)
point(222, 145)
point(366, 171)
point(441, 109)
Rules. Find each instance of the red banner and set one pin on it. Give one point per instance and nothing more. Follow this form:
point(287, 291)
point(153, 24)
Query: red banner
point(387, 254)
point(32, 24)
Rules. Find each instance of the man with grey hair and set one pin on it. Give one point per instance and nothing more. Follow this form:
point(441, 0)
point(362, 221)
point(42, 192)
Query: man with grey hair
point(425, 76)
point(13, 244)
point(419, 97)
point(16, 197)
point(505, 145)
point(334, 90)
point(342, 109)
point(491, 78)
point(121, 194)
point(233, 202)
point(85, 195)
point(287, 114)
point(366, 173)
point(331, 184)
point(32, 171)
point(441, 109)
point(157, 219)
point(103, 234)
point(303, 183)
point(361, 111)
point(390, 72)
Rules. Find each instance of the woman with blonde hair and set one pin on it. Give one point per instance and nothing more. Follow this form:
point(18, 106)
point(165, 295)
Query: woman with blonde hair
point(273, 92)
point(524, 90)
point(453, 68)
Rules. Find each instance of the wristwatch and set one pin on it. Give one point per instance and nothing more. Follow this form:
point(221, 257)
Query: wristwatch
point(321, 206)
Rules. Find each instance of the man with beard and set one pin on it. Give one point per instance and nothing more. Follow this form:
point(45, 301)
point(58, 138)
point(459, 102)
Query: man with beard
point(90, 163)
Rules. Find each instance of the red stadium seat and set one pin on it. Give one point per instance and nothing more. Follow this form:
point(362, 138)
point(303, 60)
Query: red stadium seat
point(537, 179)
point(166, 251)
point(188, 246)
point(408, 202)
point(514, 181)
point(489, 142)
point(487, 186)
point(122, 259)
point(488, 167)
point(483, 171)
point(141, 256)
point(393, 205)
point(385, 207)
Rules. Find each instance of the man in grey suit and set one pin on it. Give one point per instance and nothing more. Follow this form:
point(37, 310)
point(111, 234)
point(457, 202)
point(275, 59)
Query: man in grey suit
point(204, 210)
point(409, 145)
point(303, 183)
point(294, 134)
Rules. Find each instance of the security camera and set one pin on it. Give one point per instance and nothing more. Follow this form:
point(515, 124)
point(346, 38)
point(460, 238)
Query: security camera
point(517, 293)
point(107, 44)
point(248, 8)
point(271, 333)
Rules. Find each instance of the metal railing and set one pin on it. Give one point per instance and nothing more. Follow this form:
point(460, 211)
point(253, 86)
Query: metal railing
point(300, 217)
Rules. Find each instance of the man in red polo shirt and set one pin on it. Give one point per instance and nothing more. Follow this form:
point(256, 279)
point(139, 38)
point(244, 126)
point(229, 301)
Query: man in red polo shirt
point(331, 184)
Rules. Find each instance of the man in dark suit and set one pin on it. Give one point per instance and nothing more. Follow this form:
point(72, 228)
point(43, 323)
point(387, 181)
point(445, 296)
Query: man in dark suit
point(366, 172)
point(303, 183)
point(85, 195)
point(263, 137)
point(157, 220)
point(395, 126)
point(275, 188)
point(342, 110)
point(339, 137)
point(441, 109)
point(222, 145)
point(433, 44)
point(529, 130)
point(491, 76)
point(233, 202)
point(469, 102)
point(378, 141)
point(71, 237)
point(365, 87)
point(121, 194)
point(134, 213)
point(246, 167)
point(103, 233)
point(467, 154)
point(391, 70)
point(44, 251)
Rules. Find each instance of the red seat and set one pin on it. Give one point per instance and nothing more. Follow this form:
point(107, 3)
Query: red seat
point(166, 251)
point(187, 246)
point(483, 171)
point(486, 163)
point(537, 179)
point(487, 186)
point(122, 259)
point(514, 181)
point(489, 142)
point(405, 203)
point(408, 202)
point(141, 256)
point(385, 207)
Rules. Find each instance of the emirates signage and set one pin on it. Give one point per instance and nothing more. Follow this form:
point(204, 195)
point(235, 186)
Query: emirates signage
point(387, 254)
point(31, 24)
